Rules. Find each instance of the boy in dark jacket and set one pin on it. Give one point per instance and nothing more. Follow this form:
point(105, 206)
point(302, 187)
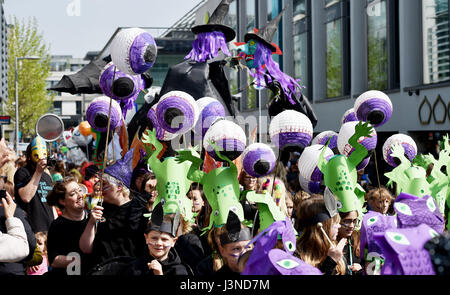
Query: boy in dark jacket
point(161, 236)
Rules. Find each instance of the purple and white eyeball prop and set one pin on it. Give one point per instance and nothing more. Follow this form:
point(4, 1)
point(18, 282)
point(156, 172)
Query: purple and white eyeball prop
point(161, 134)
point(290, 129)
point(349, 116)
point(374, 107)
point(97, 114)
point(177, 112)
point(134, 51)
point(258, 160)
point(210, 109)
point(229, 138)
point(307, 163)
point(311, 187)
point(345, 148)
point(323, 137)
point(409, 145)
point(123, 87)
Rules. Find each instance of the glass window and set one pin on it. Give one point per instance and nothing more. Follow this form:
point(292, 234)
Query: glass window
point(436, 49)
point(301, 43)
point(250, 92)
point(334, 59)
point(273, 8)
point(251, 14)
point(377, 51)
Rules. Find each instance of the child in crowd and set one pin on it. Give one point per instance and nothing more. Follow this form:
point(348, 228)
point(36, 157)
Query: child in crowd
point(41, 240)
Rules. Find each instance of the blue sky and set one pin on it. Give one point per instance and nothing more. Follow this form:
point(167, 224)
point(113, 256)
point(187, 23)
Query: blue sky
point(75, 27)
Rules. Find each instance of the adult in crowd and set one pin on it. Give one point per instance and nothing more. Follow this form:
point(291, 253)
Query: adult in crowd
point(349, 221)
point(65, 232)
point(13, 243)
point(117, 227)
point(32, 184)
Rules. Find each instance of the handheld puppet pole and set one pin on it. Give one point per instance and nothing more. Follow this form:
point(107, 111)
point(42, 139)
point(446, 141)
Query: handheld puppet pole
point(105, 155)
point(320, 225)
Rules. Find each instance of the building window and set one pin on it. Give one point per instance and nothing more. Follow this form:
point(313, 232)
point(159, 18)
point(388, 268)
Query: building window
point(273, 8)
point(338, 48)
point(57, 107)
point(302, 44)
point(232, 21)
point(436, 49)
point(382, 45)
point(250, 92)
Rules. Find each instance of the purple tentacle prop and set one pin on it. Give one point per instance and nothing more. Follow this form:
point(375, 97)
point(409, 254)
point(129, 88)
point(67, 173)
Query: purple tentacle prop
point(207, 45)
point(290, 86)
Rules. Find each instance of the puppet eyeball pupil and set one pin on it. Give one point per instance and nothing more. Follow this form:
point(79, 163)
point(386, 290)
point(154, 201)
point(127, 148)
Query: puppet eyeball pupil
point(216, 213)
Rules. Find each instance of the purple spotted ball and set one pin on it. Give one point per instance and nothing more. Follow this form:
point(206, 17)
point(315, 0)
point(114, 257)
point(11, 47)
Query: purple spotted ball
point(258, 160)
point(349, 116)
point(409, 145)
point(210, 110)
point(374, 107)
point(177, 112)
point(97, 114)
point(134, 51)
point(228, 136)
point(124, 87)
point(290, 129)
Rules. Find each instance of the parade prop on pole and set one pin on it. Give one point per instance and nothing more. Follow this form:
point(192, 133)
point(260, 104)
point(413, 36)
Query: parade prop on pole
point(409, 145)
point(310, 176)
point(349, 116)
point(49, 128)
point(374, 107)
point(258, 160)
point(228, 137)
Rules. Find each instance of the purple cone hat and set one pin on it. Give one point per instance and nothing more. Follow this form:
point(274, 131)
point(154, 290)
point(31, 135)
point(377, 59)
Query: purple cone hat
point(229, 138)
point(349, 116)
point(409, 145)
point(210, 110)
point(125, 88)
point(258, 160)
point(290, 128)
point(413, 211)
point(404, 252)
point(134, 51)
point(161, 134)
point(374, 107)
point(307, 163)
point(122, 169)
point(346, 149)
point(177, 112)
point(97, 114)
point(323, 137)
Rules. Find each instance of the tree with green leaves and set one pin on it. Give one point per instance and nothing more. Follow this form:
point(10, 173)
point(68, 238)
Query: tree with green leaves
point(25, 40)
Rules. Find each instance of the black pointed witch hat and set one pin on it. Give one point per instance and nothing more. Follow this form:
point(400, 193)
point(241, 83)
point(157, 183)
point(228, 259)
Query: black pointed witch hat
point(158, 223)
point(234, 231)
point(216, 22)
point(266, 33)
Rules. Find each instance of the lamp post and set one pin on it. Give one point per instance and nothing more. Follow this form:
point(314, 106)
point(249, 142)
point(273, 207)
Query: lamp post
point(17, 97)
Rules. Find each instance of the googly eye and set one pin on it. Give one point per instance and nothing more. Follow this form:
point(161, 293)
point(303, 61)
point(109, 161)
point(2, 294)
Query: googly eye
point(431, 205)
point(289, 246)
point(372, 221)
point(163, 201)
point(339, 204)
point(288, 263)
point(398, 238)
point(216, 213)
point(234, 209)
point(403, 208)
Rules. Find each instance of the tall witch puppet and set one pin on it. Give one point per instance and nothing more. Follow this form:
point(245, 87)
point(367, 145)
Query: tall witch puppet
point(201, 74)
point(257, 53)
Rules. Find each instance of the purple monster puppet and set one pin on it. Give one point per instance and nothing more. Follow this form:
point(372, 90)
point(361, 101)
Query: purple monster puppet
point(413, 211)
point(404, 250)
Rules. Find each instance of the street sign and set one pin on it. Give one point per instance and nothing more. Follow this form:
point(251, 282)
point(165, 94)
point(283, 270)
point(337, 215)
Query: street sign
point(5, 120)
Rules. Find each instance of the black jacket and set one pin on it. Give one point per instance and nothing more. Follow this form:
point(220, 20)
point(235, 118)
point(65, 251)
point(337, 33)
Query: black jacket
point(190, 249)
point(18, 268)
point(171, 266)
point(122, 233)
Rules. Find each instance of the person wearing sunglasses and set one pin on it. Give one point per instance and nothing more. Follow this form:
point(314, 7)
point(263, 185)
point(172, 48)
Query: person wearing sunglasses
point(350, 221)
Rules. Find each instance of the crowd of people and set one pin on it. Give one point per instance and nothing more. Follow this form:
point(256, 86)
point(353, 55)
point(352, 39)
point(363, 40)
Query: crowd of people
point(59, 229)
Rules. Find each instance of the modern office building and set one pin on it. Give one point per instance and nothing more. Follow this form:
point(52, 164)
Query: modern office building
point(342, 48)
point(3, 56)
